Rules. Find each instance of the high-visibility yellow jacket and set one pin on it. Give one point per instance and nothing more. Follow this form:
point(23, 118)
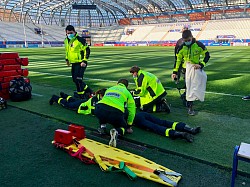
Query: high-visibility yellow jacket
point(147, 83)
point(88, 107)
point(196, 53)
point(119, 97)
point(77, 50)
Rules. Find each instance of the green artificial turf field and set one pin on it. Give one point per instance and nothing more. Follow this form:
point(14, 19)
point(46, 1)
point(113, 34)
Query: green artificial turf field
point(224, 116)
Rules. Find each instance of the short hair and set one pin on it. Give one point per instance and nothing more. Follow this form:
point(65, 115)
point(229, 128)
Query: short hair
point(186, 34)
point(134, 69)
point(70, 28)
point(101, 91)
point(123, 81)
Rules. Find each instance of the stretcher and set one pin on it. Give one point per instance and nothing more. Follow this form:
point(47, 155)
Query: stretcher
point(110, 158)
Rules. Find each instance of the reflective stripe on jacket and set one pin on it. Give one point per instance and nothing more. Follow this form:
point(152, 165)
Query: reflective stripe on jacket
point(88, 107)
point(76, 49)
point(148, 83)
point(119, 97)
point(196, 53)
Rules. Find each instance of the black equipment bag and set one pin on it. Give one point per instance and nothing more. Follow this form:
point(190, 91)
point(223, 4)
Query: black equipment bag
point(20, 89)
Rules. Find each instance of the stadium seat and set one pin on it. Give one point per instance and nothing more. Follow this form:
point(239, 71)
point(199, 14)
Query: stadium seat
point(241, 152)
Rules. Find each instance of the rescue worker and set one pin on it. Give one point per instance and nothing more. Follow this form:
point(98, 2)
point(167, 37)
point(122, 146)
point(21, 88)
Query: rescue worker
point(166, 128)
point(79, 105)
point(111, 110)
point(181, 71)
point(150, 91)
point(194, 53)
point(77, 54)
point(179, 43)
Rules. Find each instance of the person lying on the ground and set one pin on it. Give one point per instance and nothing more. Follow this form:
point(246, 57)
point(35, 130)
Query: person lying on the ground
point(170, 129)
point(80, 105)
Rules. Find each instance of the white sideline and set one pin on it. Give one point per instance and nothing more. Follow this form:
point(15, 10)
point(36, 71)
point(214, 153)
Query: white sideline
point(105, 80)
point(39, 95)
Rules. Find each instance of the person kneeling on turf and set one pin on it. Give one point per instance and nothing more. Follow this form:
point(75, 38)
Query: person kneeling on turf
point(149, 94)
point(111, 110)
point(81, 106)
point(170, 129)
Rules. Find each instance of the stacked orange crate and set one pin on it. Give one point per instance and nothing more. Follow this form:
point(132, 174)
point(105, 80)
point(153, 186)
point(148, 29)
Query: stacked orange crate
point(10, 68)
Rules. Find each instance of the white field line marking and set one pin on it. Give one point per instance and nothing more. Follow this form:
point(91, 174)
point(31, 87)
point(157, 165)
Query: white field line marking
point(224, 94)
point(39, 95)
point(232, 54)
point(105, 80)
point(206, 69)
point(211, 63)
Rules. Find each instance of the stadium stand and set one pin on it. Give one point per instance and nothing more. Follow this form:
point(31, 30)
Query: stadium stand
point(239, 28)
point(103, 34)
point(164, 19)
point(150, 20)
point(137, 21)
point(153, 22)
point(15, 32)
point(158, 32)
point(180, 18)
point(202, 30)
point(139, 34)
point(125, 21)
point(55, 31)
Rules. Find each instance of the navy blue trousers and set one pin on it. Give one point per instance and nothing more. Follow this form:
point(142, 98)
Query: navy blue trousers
point(72, 104)
point(111, 115)
point(145, 120)
point(77, 73)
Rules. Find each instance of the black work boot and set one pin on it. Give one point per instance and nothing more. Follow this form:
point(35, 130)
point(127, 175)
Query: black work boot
point(194, 130)
point(183, 135)
point(54, 99)
point(183, 98)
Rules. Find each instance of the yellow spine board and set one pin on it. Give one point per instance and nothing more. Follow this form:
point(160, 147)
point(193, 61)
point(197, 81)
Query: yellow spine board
point(108, 153)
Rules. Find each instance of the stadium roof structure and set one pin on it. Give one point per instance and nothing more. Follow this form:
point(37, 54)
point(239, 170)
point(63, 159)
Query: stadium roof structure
point(108, 12)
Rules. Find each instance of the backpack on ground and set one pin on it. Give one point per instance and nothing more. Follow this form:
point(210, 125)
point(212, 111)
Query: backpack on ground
point(20, 89)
